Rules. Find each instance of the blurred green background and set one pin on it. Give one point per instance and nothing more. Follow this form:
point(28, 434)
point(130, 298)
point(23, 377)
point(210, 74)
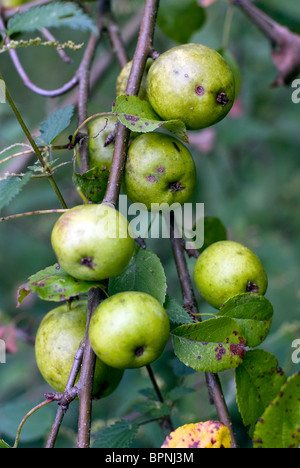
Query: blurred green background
point(248, 176)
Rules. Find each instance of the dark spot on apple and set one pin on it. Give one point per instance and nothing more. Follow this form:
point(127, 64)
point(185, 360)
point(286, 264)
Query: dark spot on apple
point(252, 287)
point(222, 99)
point(151, 178)
point(88, 262)
point(199, 90)
point(176, 186)
point(176, 147)
point(160, 169)
point(139, 351)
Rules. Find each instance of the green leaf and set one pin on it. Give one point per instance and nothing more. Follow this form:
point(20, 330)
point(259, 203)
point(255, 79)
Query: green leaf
point(3, 444)
point(253, 312)
point(258, 381)
point(53, 15)
point(119, 435)
point(92, 183)
point(279, 425)
point(214, 231)
point(180, 19)
point(138, 116)
point(11, 187)
point(176, 312)
point(54, 284)
point(210, 346)
point(55, 124)
point(144, 273)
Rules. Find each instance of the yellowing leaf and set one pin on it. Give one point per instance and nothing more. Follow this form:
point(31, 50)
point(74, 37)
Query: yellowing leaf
point(209, 434)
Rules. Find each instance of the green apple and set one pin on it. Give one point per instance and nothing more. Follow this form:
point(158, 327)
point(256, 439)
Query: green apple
point(192, 83)
point(57, 341)
point(100, 155)
point(123, 76)
point(129, 330)
point(159, 169)
point(227, 268)
point(92, 242)
point(14, 3)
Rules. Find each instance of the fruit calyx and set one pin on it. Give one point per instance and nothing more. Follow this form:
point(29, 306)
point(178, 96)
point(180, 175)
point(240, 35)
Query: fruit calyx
point(252, 287)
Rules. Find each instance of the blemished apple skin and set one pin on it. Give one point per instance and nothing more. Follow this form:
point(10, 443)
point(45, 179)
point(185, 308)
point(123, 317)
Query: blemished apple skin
point(227, 268)
point(57, 341)
point(159, 169)
point(92, 242)
point(192, 83)
point(129, 330)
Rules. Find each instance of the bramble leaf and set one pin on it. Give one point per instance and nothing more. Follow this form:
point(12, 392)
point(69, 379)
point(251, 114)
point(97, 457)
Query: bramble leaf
point(118, 435)
point(53, 15)
point(10, 187)
point(55, 124)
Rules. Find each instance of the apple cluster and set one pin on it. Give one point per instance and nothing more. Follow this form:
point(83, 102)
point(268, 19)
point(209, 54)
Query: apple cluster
point(94, 242)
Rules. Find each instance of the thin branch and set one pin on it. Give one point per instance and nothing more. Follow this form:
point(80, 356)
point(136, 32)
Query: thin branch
point(190, 304)
point(85, 384)
point(286, 54)
point(143, 49)
point(31, 213)
point(113, 33)
point(47, 34)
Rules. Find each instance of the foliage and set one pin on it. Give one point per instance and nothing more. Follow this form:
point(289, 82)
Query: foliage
point(248, 179)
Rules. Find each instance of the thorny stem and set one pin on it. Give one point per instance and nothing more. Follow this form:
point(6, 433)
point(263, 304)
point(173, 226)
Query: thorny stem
point(190, 304)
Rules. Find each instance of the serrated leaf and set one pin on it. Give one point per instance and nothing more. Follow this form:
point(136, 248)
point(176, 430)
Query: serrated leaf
point(119, 435)
point(54, 284)
point(258, 381)
point(176, 312)
point(138, 116)
point(92, 183)
point(186, 18)
point(53, 15)
point(55, 124)
point(11, 187)
point(253, 312)
point(210, 346)
point(279, 425)
point(144, 273)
